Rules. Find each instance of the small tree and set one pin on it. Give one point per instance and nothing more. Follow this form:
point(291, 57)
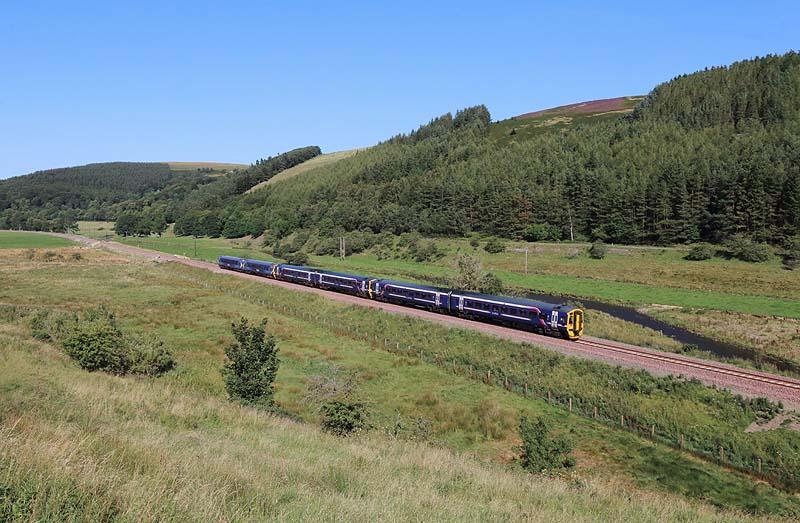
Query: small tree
point(97, 344)
point(791, 253)
point(540, 451)
point(598, 250)
point(252, 364)
point(494, 246)
point(700, 253)
point(745, 249)
point(491, 284)
point(344, 417)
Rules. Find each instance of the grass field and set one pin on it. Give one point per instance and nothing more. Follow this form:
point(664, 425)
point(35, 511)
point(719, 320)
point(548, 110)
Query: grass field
point(633, 275)
point(29, 240)
point(308, 165)
point(174, 448)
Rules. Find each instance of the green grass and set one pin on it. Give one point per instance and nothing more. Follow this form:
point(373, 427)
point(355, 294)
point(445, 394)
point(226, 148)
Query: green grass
point(28, 240)
point(308, 165)
point(630, 275)
point(181, 436)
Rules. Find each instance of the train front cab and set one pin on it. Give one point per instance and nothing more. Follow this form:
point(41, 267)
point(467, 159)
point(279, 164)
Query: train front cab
point(574, 328)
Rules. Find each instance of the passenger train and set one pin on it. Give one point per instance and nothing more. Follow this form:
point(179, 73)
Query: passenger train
point(545, 318)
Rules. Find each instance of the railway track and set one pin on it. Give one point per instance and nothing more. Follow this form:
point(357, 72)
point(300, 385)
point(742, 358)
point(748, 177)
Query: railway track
point(774, 380)
point(736, 379)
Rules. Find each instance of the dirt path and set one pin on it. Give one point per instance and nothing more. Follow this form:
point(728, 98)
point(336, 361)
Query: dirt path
point(739, 385)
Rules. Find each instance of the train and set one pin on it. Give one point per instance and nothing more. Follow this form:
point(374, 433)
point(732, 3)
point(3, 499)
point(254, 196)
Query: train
point(550, 319)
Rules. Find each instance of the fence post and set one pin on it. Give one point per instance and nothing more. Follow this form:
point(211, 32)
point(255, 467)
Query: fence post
point(758, 464)
point(526, 389)
point(622, 420)
point(570, 404)
point(594, 413)
point(653, 431)
point(548, 396)
point(681, 441)
point(721, 453)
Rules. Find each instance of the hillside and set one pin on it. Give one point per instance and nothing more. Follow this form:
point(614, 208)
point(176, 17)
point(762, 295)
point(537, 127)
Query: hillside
point(654, 176)
point(524, 126)
point(318, 161)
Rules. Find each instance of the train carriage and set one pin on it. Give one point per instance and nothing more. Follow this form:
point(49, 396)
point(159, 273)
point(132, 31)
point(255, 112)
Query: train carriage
point(258, 267)
point(343, 282)
point(231, 262)
point(411, 294)
point(295, 274)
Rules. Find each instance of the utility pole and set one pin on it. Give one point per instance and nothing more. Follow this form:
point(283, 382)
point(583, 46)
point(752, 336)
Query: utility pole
point(526, 260)
point(195, 246)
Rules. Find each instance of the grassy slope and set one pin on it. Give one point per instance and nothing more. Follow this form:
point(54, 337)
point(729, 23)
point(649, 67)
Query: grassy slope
point(215, 166)
point(174, 447)
point(23, 240)
point(556, 119)
point(317, 161)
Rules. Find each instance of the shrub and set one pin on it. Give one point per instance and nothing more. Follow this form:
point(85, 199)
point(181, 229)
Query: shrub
point(491, 284)
point(541, 232)
point(540, 451)
point(342, 417)
point(700, 253)
point(147, 355)
point(791, 253)
point(252, 364)
point(326, 246)
point(77, 256)
point(743, 248)
point(46, 325)
point(598, 250)
point(97, 345)
point(474, 243)
point(424, 251)
point(297, 258)
point(494, 246)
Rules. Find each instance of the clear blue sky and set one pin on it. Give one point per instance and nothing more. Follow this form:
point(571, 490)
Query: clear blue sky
point(85, 82)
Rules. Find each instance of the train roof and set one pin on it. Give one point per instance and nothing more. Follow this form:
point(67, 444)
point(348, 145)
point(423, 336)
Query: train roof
point(509, 299)
point(342, 274)
point(229, 258)
point(258, 261)
point(416, 285)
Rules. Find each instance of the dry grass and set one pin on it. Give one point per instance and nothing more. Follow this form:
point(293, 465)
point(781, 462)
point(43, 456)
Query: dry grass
point(85, 446)
point(313, 163)
point(770, 335)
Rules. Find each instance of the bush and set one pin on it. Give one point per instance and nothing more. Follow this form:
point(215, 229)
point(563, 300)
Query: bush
point(147, 355)
point(491, 284)
point(791, 253)
point(424, 251)
point(700, 253)
point(540, 451)
point(297, 258)
point(97, 345)
point(598, 250)
point(538, 232)
point(494, 246)
point(252, 365)
point(342, 417)
point(743, 248)
point(474, 243)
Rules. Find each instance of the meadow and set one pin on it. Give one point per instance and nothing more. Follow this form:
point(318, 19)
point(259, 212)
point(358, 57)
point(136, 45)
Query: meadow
point(76, 433)
point(28, 240)
point(631, 275)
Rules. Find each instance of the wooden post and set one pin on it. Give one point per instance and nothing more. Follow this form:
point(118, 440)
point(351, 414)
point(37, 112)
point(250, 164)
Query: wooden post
point(622, 420)
point(681, 441)
point(721, 453)
point(488, 376)
point(526, 389)
point(570, 404)
point(653, 431)
point(548, 396)
point(758, 465)
point(594, 414)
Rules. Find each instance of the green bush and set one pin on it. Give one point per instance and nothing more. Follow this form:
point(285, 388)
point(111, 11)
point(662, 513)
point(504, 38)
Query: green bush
point(540, 451)
point(342, 417)
point(743, 248)
point(494, 246)
point(538, 232)
point(424, 251)
point(598, 250)
point(147, 355)
point(700, 253)
point(791, 253)
point(97, 345)
point(490, 283)
point(252, 365)
point(297, 258)
point(474, 243)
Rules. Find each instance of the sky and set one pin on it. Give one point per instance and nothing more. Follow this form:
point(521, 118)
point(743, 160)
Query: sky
point(84, 82)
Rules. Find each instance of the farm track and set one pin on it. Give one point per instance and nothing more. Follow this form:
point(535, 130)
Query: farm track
point(739, 380)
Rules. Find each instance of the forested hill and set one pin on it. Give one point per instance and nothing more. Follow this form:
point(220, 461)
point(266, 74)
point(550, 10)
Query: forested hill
point(705, 156)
